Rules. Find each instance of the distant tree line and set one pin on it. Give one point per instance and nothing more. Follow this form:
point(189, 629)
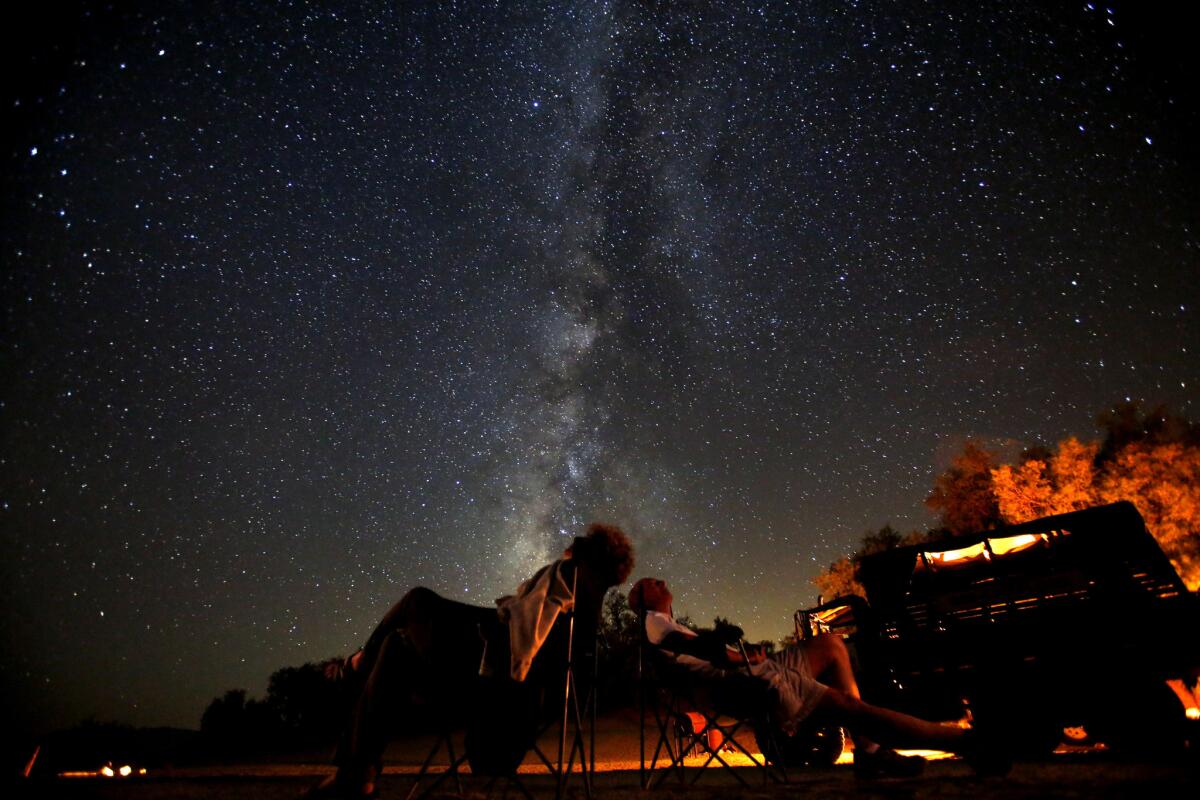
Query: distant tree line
point(301, 708)
point(1151, 459)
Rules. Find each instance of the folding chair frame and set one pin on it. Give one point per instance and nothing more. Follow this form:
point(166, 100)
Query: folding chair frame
point(679, 701)
point(454, 762)
point(582, 737)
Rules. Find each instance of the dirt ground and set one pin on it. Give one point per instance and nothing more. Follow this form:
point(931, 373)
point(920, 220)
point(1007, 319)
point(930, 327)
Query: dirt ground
point(947, 779)
point(1077, 774)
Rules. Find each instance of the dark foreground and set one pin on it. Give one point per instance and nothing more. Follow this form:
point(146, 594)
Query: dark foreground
point(1082, 777)
point(1082, 772)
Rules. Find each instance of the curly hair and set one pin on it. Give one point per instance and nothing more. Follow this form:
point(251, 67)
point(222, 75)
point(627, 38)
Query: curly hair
point(608, 550)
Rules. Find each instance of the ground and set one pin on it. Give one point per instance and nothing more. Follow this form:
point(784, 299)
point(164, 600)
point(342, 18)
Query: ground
point(1082, 774)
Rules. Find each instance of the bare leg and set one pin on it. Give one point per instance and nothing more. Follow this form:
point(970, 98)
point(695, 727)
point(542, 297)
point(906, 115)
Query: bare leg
point(829, 661)
point(362, 744)
point(884, 725)
point(843, 705)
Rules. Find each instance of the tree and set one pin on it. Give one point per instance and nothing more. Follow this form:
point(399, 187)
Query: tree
point(308, 707)
point(1124, 424)
point(618, 622)
point(225, 714)
point(1158, 472)
point(962, 495)
point(841, 578)
point(619, 637)
point(1062, 481)
point(234, 723)
point(1163, 481)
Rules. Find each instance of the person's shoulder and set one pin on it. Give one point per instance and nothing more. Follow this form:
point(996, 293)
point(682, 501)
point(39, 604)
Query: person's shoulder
point(659, 624)
point(660, 618)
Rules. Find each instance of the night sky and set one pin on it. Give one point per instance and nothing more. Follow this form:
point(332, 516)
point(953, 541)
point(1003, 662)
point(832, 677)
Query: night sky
point(302, 308)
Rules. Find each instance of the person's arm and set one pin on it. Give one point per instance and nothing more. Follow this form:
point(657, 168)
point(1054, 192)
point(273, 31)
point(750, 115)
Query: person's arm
point(704, 644)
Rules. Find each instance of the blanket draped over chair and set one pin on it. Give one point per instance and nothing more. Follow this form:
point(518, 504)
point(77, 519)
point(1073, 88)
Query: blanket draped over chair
point(531, 613)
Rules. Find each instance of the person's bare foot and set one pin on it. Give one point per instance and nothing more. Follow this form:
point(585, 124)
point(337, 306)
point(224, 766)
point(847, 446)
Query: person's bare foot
point(886, 763)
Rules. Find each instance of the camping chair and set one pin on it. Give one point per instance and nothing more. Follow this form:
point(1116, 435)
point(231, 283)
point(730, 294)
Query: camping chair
point(672, 691)
point(576, 739)
point(453, 763)
point(450, 716)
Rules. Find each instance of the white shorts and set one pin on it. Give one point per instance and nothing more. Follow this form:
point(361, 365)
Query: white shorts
point(797, 692)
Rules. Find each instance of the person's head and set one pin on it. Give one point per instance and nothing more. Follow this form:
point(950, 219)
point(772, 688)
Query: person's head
point(607, 551)
point(650, 594)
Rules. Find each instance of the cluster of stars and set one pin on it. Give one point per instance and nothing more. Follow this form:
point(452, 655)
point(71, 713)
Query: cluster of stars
point(304, 308)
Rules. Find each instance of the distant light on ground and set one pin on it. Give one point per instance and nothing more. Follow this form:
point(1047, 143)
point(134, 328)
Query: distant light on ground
point(107, 771)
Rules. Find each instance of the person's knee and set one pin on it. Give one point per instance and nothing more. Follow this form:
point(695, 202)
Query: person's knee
point(842, 704)
point(392, 642)
point(826, 649)
point(417, 604)
point(833, 643)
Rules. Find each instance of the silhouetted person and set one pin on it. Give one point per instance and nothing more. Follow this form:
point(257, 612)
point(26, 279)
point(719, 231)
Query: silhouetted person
point(429, 650)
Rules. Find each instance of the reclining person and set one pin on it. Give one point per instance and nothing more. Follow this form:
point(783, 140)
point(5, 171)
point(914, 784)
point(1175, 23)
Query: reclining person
point(811, 679)
point(428, 650)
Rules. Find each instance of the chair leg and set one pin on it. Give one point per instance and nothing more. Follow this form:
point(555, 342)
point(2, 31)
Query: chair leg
point(433, 751)
point(715, 755)
point(663, 746)
point(452, 768)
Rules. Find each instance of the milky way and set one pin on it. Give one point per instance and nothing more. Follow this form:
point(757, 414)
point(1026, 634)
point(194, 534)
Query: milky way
point(303, 308)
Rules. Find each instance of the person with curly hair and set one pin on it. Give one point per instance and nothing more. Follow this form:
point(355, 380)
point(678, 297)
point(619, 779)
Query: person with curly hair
point(428, 650)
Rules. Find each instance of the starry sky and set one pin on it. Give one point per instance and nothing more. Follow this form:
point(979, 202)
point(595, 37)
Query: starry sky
point(305, 306)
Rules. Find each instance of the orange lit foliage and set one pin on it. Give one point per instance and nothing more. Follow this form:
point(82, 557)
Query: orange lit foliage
point(841, 577)
point(1161, 479)
point(1066, 481)
point(1151, 459)
point(962, 495)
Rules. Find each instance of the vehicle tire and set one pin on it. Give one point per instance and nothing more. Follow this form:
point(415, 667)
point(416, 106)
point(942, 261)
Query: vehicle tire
point(1144, 719)
point(811, 746)
point(1027, 724)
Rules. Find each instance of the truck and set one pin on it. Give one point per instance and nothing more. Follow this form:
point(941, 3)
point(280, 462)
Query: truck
point(1074, 627)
